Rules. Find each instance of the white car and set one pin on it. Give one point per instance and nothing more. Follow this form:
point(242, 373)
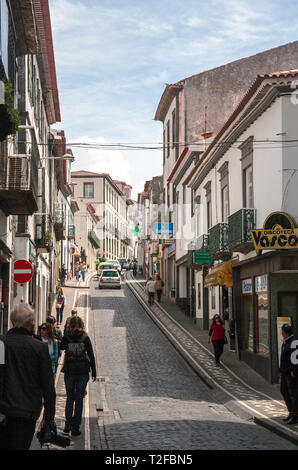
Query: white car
point(116, 263)
point(110, 278)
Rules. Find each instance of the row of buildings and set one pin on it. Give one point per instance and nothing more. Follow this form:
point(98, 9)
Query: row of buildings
point(230, 166)
point(49, 215)
point(36, 208)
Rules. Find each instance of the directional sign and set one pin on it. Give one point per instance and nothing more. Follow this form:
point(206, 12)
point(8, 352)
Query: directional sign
point(23, 271)
point(165, 228)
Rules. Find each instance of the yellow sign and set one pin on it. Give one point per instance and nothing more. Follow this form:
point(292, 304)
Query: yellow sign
point(279, 232)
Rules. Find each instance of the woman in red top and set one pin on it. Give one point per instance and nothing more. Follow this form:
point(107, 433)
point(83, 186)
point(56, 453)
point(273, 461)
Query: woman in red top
point(217, 334)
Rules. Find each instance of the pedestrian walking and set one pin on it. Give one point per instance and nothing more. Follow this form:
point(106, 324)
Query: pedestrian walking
point(77, 271)
point(83, 270)
point(217, 335)
point(74, 313)
point(28, 380)
point(79, 358)
point(60, 304)
point(63, 274)
point(158, 286)
point(135, 268)
point(289, 375)
point(56, 332)
point(150, 289)
point(47, 336)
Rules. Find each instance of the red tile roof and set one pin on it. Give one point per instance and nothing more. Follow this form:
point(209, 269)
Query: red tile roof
point(254, 87)
point(43, 22)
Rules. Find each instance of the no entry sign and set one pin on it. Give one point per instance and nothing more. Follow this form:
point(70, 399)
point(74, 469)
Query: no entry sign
point(23, 271)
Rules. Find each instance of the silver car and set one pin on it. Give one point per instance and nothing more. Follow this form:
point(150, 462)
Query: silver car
point(109, 278)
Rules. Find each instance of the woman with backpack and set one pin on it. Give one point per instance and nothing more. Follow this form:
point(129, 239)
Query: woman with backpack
point(79, 359)
point(60, 304)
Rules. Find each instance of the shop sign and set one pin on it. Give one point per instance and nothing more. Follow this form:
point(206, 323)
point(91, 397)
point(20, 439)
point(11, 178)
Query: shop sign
point(247, 286)
point(279, 232)
point(164, 228)
point(261, 283)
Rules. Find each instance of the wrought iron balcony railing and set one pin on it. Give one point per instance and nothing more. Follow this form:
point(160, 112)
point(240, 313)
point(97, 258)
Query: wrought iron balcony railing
point(240, 223)
point(94, 239)
point(218, 241)
point(43, 234)
point(18, 184)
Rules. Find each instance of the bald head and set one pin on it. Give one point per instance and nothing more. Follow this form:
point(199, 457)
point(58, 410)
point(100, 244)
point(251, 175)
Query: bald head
point(22, 316)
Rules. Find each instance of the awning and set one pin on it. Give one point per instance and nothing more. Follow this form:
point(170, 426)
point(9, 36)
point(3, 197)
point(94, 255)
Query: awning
point(220, 275)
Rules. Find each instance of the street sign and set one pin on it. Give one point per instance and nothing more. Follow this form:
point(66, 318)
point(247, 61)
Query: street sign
point(202, 257)
point(164, 228)
point(166, 241)
point(23, 271)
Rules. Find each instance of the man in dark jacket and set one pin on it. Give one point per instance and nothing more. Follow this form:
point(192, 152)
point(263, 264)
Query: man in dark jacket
point(289, 375)
point(28, 378)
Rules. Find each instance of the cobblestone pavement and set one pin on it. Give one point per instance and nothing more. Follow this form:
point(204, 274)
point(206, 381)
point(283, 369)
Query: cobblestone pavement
point(259, 401)
point(147, 397)
point(76, 296)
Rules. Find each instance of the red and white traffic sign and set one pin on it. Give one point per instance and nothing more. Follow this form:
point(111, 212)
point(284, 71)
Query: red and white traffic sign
point(23, 271)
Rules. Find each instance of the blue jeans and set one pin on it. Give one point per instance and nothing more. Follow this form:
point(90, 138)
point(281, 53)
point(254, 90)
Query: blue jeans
point(83, 275)
point(60, 314)
point(75, 389)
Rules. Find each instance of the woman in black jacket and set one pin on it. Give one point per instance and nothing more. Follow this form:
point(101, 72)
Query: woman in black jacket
point(79, 359)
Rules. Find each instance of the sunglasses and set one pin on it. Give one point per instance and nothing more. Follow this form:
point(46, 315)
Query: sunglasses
point(43, 328)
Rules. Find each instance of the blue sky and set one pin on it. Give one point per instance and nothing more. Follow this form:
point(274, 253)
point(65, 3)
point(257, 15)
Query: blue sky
point(113, 58)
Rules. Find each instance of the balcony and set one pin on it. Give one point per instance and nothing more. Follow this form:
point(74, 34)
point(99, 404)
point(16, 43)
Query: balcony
point(198, 251)
point(71, 232)
point(240, 223)
point(218, 241)
point(94, 239)
point(59, 223)
point(43, 234)
point(18, 184)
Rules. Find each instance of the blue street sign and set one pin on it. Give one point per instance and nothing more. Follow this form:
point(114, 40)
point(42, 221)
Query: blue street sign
point(164, 228)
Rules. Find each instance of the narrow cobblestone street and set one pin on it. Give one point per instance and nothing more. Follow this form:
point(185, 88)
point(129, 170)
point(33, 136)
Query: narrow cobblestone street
point(147, 396)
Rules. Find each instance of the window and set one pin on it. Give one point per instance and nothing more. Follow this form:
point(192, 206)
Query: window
point(88, 189)
point(224, 184)
point(177, 211)
point(173, 128)
point(248, 188)
point(164, 147)
point(168, 138)
point(209, 215)
point(247, 172)
point(198, 221)
point(192, 202)
point(225, 204)
point(184, 205)
point(262, 333)
point(207, 188)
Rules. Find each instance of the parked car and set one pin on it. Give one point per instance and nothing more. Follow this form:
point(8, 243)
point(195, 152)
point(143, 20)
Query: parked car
point(110, 278)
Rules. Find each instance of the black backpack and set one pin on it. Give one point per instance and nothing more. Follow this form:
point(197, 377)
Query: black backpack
point(77, 361)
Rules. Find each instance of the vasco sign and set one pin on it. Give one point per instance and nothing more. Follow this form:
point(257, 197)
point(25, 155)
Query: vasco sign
point(279, 232)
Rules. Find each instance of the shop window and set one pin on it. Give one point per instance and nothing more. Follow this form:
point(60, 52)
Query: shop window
point(248, 317)
point(199, 296)
point(213, 301)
